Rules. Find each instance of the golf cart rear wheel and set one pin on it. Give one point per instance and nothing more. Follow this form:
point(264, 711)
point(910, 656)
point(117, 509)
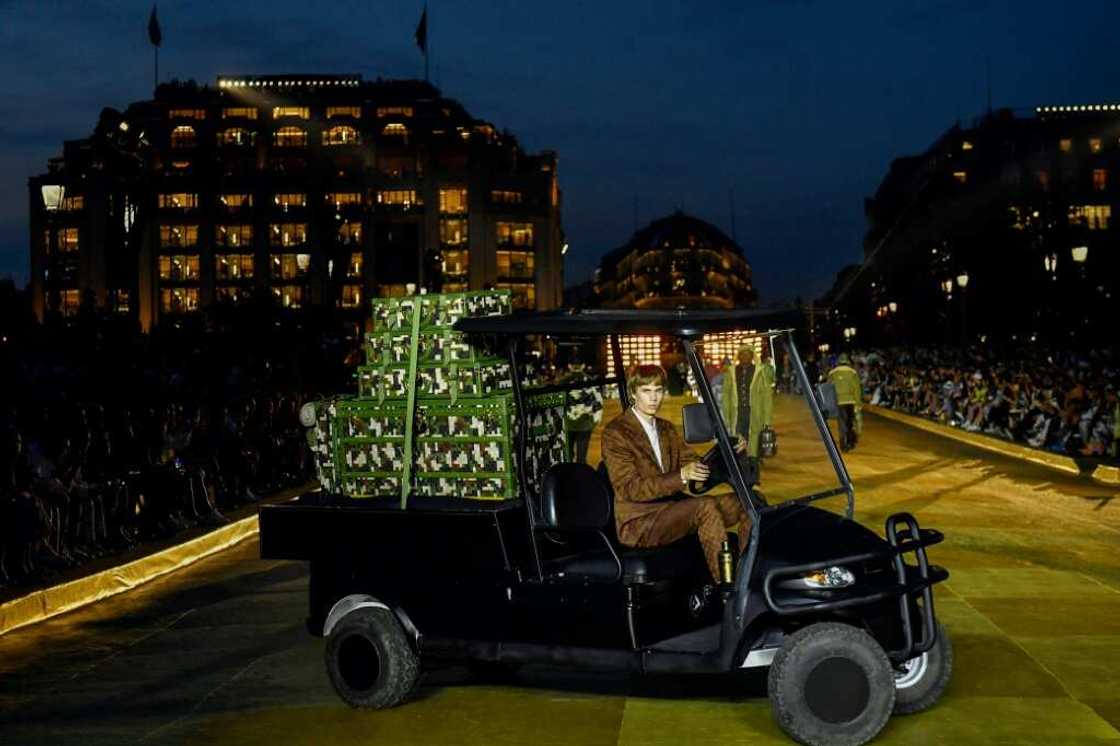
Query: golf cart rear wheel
point(369, 659)
point(921, 681)
point(831, 684)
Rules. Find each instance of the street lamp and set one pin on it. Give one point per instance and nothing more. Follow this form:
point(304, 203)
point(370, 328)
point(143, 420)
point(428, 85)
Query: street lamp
point(1079, 254)
point(962, 280)
point(1050, 261)
point(892, 306)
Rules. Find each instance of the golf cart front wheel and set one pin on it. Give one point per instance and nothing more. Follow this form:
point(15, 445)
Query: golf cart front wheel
point(370, 661)
point(921, 681)
point(831, 684)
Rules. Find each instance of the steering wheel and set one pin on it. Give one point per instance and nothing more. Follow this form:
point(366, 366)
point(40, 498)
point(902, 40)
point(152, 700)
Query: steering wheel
point(717, 473)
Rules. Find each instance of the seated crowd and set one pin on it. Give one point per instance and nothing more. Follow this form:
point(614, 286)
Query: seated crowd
point(1057, 401)
point(111, 442)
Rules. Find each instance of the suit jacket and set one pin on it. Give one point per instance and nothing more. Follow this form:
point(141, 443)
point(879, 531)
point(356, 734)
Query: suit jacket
point(640, 486)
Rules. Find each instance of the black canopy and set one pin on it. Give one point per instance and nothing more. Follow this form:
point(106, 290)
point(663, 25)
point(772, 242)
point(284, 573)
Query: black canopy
point(596, 322)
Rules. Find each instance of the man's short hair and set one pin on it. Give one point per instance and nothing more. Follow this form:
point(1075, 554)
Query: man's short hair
point(643, 375)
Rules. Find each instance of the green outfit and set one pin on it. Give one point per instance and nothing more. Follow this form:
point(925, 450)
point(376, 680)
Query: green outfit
point(762, 404)
point(849, 395)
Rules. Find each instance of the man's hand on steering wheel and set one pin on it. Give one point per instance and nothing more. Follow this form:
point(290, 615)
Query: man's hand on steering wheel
point(695, 471)
point(741, 445)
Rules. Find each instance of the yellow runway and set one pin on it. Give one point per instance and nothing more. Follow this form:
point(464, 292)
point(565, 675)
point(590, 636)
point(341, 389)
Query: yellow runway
point(217, 653)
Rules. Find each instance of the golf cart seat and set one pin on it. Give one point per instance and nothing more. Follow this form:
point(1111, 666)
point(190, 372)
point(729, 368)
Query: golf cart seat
point(577, 499)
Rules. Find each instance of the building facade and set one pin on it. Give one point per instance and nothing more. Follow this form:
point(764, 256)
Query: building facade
point(676, 262)
point(999, 230)
point(306, 191)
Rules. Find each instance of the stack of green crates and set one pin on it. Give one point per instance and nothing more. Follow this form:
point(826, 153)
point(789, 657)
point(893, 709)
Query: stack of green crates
point(434, 415)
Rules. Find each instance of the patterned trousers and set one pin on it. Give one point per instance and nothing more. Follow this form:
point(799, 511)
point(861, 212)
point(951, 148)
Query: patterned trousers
point(710, 518)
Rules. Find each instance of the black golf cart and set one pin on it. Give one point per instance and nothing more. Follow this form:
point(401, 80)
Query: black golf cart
point(845, 624)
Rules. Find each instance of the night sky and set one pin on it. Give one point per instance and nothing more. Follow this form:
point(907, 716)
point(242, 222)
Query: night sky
point(799, 106)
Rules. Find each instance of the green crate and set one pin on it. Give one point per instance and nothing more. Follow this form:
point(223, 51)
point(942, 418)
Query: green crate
point(491, 417)
point(371, 485)
point(466, 486)
point(438, 310)
point(365, 418)
point(478, 379)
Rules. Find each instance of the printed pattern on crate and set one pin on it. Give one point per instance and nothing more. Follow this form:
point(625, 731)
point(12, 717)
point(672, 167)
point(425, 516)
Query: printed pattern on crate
point(438, 310)
point(465, 449)
point(452, 381)
point(544, 445)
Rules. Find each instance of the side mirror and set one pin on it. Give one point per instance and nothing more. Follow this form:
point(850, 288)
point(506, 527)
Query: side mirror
point(826, 399)
point(697, 423)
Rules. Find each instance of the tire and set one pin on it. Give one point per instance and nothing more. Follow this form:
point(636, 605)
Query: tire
point(831, 684)
point(923, 682)
point(369, 659)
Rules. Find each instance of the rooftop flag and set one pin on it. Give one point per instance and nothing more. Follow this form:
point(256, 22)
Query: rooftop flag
point(421, 31)
point(154, 34)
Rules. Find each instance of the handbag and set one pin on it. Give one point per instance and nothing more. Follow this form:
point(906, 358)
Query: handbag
point(767, 442)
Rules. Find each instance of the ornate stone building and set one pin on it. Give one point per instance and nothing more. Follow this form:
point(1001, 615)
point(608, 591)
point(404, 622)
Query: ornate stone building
point(309, 190)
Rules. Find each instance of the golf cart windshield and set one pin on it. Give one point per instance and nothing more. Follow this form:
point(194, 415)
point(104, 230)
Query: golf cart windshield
point(763, 398)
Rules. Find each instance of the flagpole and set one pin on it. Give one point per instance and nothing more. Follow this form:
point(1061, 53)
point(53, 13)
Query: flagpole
point(155, 84)
point(426, 54)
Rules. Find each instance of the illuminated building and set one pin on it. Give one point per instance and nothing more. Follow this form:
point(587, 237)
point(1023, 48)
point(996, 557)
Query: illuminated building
point(676, 262)
point(309, 190)
point(1020, 207)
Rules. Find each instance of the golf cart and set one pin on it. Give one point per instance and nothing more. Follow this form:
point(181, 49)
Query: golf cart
point(843, 621)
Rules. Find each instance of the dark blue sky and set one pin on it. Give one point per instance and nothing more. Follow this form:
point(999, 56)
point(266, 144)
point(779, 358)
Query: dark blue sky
point(800, 105)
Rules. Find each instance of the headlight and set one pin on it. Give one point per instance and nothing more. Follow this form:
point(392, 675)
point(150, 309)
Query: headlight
point(828, 578)
point(307, 414)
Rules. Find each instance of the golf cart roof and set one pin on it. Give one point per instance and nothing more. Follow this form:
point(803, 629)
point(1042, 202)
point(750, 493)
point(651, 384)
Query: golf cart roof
point(595, 322)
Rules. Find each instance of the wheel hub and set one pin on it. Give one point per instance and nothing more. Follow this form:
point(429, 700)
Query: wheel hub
point(837, 690)
point(911, 671)
point(359, 663)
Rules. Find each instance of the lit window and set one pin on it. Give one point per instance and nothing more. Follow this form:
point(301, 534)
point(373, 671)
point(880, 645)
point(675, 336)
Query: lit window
point(515, 264)
point(338, 199)
point(178, 267)
point(454, 287)
point(121, 301)
point(354, 266)
point(351, 296)
point(506, 197)
point(1093, 217)
point(961, 176)
point(178, 201)
point(178, 300)
point(73, 203)
point(453, 232)
point(288, 201)
point(180, 165)
point(233, 201)
point(388, 111)
point(341, 135)
point(289, 137)
point(69, 302)
point(1100, 179)
point(398, 197)
point(199, 114)
point(1094, 145)
point(966, 145)
point(523, 296)
point(239, 112)
point(344, 111)
point(395, 128)
point(453, 201)
point(1065, 144)
point(236, 136)
point(350, 233)
point(178, 236)
point(288, 296)
point(234, 266)
point(456, 262)
point(299, 112)
point(233, 236)
point(183, 136)
point(290, 266)
point(68, 240)
point(288, 234)
point(231, 293)
point(515, 234)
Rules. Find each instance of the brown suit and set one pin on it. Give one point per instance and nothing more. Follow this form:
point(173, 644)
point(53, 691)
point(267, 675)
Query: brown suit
point(649, 509)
